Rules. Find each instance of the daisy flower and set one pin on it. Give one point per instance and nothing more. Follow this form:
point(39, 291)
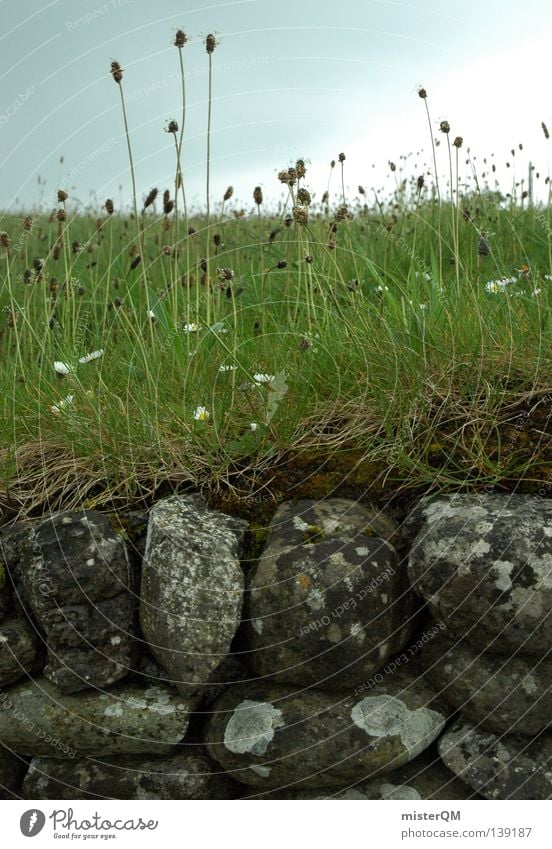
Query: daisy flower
point(201, 414)
point(253, 426)
point(62, 368)
point(263, 378)
point(190, 328)
point(93, 356)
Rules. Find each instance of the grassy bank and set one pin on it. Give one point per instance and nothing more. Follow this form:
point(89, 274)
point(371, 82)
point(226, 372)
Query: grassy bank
point(405, 336)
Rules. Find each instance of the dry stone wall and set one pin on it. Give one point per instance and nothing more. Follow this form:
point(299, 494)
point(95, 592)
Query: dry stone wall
point(356, 658)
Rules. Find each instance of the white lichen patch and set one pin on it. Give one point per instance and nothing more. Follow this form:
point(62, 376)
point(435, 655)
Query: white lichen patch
point(90, 561)
point(503, 569)
point(334, 633)
point(527, 603)
point(115, 641)
point(387, 716)
point(115, 709)
point(480, 548)
point(137, 704)
point(483, 527)
point(257, 625)
point(362, 551)
point(315, 599)
point(530, 685)
point(357, 632)
point(163, 710)
point(251, 727)
point(299, 524)
point(3, 638)
point(398, 791)
point(263, 771)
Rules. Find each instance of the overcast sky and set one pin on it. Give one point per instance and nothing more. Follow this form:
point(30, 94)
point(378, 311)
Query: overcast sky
point(292, 78)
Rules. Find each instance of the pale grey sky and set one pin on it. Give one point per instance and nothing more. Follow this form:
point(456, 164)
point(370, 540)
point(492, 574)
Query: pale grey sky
point(291, 78)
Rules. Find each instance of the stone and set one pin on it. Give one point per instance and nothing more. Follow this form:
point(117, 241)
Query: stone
point(511, 695)
point(499, 767)
point(77, 581)
point(178, 776)
point(10, 541)
point(36, 718)
point(12, 770)
point(20, 650)
point(425, 778)
point(192, 588)
point(277, 736)
point(328, 603)
point(483, 562)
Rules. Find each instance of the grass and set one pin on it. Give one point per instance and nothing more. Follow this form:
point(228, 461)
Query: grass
point(337, 341)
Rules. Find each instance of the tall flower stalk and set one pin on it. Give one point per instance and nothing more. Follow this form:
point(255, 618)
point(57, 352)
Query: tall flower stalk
point(210, 44)
point(117, 74)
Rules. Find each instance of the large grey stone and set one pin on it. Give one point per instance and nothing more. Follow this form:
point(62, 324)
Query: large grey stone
point(328, 603)
point(12, 769)
point(275, 737)
point(192, 588)
point(425, 777)
point(502, 694)
point(177, 776)
point(483, 562)
point(499, 767)
point(20, 650)
point(36, 718)
point(77, 581)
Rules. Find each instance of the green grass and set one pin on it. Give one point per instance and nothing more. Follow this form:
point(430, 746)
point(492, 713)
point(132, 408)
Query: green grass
point(385, 348)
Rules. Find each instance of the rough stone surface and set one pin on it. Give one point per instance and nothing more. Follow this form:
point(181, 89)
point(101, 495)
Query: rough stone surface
point(179, 776)
point(77, 581)
point(274, 736)
point(11, 538)
point(192, 588)
point(484, 564)
point(503, 694)
point(20, 650)
point(499, 767)
point(425, 777)
point(328, 603)
point(12, 769)
point(36, 718)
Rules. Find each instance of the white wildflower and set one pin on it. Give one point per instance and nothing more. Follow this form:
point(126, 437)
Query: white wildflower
point(190, 328)
point(93, 356)
point(150, 314)
point(253, 426)
point(263, 378)
point(201, 414)
point(62, 368)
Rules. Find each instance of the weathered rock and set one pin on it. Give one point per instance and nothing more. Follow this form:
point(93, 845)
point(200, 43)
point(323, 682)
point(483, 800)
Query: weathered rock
point(484, 564)
point(328, 603)
point(274, 736)
point(499, 767)
point(12, 770)
point(77, 581)
point(503, 694)
point(425, 777)
point(10, 541)
point(36, 718)
point(20, 650)
point(178, 776)
point(192, 588)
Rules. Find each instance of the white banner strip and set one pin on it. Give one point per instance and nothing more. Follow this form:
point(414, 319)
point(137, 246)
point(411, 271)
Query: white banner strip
point(265, 824)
